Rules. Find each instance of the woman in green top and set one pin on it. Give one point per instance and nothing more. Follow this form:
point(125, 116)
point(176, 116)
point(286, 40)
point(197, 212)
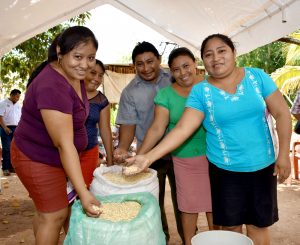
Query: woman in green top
point(190, 163)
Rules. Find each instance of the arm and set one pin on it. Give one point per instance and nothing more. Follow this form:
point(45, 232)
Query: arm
point(280, 111)
point(60, 128)
point(3, 125)
point(126, 136)
point(297, 116)
point(105, 133)
point(156, 130)
point(187, 125)
point(126, 113)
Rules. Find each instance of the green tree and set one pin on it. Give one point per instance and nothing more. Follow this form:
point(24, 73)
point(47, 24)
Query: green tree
point(293, 50)
point(287, 77)
point(269, 57)
point(125, 59)
point(18, 64)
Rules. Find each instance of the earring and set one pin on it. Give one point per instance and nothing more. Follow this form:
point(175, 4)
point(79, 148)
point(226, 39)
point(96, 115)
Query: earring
point(59, 59)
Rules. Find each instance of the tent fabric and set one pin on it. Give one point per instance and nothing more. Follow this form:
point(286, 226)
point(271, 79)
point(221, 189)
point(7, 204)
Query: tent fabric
point(118, 76)
point(114, 83)
point(250, 23)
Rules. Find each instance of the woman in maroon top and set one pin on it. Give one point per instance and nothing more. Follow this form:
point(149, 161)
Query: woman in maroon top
point(51, 132)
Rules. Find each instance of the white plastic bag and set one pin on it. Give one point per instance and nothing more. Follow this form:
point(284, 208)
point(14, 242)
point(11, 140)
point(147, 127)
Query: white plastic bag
point(273, 132)
point(71, 192)
point(144, 229)
point(103, 187)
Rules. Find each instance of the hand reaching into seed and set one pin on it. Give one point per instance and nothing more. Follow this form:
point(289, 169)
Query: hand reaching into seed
point(97, 209)
point(120, 155)
point(136, 164)
point(131, 170)
point(88, 200)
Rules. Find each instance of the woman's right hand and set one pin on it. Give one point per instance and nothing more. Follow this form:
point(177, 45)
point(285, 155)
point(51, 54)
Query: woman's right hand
point(136, 164)
point(282, 168)
point(120, 155)
point(88, 201)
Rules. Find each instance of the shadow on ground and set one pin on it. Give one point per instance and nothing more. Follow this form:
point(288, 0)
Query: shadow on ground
point(17, 211)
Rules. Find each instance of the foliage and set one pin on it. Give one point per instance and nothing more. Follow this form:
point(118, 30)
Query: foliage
point(282, 61)
point(18, 64)
point(113, 113)
point(269, 57)
point(80, 19)
point(126, 59)
point(287, 77)
point(293, 51)
point(199, 62)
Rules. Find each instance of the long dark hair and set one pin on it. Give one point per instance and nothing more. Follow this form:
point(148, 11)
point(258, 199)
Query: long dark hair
point(74, 36)
point(52, 56)
point(222, 37)
point(100, 63)
point(66, 41)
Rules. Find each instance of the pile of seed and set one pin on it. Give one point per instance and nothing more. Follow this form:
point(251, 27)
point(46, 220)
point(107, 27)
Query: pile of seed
point(123, 211)
point(121, 179)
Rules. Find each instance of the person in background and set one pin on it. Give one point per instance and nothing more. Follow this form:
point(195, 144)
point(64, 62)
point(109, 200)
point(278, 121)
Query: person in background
point(51, 132)
point(10, 113)
point(99, 117)
point(231, 104)
point(135, 114)
point(295, 110)
point(115, 136)
point(190, 163)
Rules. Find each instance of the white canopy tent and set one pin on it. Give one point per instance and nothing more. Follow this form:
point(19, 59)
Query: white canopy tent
point(250, 23)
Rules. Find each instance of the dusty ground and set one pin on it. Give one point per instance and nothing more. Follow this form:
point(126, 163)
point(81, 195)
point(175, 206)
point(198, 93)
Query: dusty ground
point(16, 212)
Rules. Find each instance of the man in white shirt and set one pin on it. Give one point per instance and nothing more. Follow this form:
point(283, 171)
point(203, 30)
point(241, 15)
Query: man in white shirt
point(10, 114)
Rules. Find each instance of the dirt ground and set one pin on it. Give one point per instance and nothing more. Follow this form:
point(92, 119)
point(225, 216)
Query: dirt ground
point(17, 211)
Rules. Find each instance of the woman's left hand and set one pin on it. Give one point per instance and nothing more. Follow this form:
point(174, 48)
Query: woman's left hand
point(282, 168)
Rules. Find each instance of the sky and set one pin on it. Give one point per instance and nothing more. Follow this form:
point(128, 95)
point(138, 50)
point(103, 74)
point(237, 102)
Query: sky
point(118, 33)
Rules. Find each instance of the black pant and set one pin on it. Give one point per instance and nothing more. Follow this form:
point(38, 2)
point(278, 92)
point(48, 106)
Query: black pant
point(165, 168)
point(6, 140)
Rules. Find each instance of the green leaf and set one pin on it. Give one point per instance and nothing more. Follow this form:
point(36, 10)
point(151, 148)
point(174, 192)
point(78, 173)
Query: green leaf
point(18, 64)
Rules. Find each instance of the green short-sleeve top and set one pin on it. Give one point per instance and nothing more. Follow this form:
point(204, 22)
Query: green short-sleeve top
point(175, 103)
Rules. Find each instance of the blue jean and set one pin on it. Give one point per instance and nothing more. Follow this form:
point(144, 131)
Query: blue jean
point(6, 140)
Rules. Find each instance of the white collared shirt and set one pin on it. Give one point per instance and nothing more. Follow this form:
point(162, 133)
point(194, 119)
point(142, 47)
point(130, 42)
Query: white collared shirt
point(10, 112)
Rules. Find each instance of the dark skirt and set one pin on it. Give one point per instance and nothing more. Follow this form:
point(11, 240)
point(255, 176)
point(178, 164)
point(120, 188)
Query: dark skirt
point(244, 197)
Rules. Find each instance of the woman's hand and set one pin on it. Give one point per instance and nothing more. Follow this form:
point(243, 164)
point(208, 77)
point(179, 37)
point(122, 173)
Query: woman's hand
point(120, 155)
point(7, 130)
point(88, 201)
point(282, 168)
point(136, 164)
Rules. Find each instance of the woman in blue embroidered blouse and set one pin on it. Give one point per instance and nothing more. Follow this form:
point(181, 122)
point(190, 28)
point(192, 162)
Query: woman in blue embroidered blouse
point(99, 118)
point(231, 103)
